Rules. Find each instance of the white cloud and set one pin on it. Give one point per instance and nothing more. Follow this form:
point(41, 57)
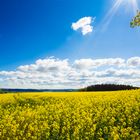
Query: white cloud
point(134, 61)
point(46, 65)
point(87, 29)
point(84, 24)
point(57, 73)
point(120, 73)
point(95, 63)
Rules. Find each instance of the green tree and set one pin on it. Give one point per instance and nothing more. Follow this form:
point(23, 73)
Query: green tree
point(136, 20)
point(0, 90)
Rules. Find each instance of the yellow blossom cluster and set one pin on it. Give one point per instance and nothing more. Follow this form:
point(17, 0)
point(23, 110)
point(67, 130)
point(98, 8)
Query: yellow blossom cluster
point(70, 116)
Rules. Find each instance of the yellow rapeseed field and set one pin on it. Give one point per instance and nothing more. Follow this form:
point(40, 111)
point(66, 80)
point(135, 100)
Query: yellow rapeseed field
point(70, 116)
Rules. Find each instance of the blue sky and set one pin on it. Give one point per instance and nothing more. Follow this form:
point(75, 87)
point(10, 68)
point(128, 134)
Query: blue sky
point(31, 30)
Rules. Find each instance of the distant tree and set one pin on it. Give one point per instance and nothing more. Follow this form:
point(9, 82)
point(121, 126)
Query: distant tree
point(1, 90)
point(136, 20)
point(108, 87)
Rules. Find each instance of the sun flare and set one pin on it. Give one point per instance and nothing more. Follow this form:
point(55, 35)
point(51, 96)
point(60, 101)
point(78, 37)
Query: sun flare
point(132, 4)
point(128, 5)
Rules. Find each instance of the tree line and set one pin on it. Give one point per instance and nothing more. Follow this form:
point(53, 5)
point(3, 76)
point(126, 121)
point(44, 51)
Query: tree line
point(108, 87)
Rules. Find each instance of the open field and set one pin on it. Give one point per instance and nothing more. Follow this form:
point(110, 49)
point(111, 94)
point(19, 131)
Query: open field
point(73, 115)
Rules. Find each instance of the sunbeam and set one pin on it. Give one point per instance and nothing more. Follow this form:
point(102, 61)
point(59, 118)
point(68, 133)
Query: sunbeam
point(135, 5)
point(132, 4)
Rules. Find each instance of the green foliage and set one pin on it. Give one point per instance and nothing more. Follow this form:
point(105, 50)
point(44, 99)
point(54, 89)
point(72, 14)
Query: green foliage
point(1, 91)
point(70, 116)
point(108, 87)
point(136, 20)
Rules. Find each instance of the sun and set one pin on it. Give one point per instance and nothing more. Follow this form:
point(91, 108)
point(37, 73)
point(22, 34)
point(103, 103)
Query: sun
point(129, 5)
point(132, 4)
